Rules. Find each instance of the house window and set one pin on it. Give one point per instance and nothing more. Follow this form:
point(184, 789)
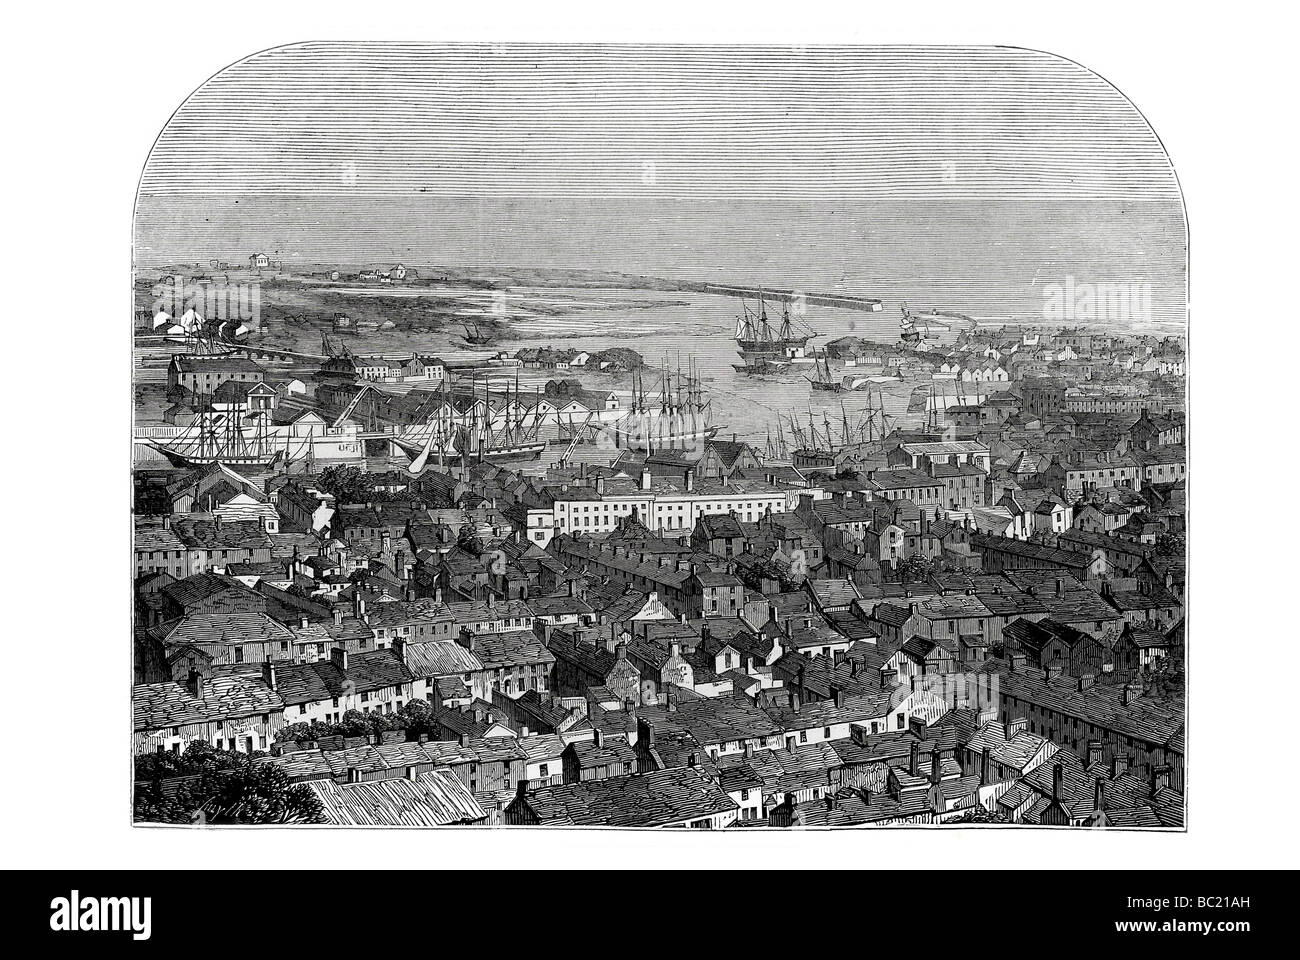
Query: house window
point(803, 736)
point(543, 770)
point(826, 733)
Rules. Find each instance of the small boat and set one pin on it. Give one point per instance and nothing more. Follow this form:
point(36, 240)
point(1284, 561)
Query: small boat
point(761, 366)
point(477, 337)
point(825, 381)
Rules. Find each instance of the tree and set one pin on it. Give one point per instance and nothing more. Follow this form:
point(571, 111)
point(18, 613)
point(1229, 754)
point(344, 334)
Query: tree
point(1171, 545)
point(206, 785)
point(346, 484)
point(752, 576)
point(254, 793)
point(980, 815)
point(915, 569)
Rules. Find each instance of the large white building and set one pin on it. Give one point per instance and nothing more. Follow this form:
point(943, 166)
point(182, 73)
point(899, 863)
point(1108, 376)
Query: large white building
point(665, 505)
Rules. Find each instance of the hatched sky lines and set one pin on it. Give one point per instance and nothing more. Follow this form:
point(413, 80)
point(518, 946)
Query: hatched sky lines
point(611, 122)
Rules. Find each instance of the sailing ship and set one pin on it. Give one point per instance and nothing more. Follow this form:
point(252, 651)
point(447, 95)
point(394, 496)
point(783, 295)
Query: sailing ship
point(513, 442)
point(477, 336)
point(818, 448)
point(915, 330)
point(825, 381)
point(222, 438)
point(754, 334)
point(682, 419)
point(449, 437)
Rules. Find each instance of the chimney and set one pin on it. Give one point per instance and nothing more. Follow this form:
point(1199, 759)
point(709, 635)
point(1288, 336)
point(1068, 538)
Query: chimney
point(196, 684)
point(1060, 587)
point(464, 739)
point(914, 758)
point(339, 657)
point(354, 775)
point(1160, 777)
point(1058, 773)
point(1099, 794)
point(1016, 726)
point(358, 603)
point(1132, 690)
point(888, 678)
point(1094, 753)
point(690, 481)
point(1118, 765)
point(749, 750)
point(986, 763)
point(1086, 681)
point(1017, 663)
point(268, 674)
point(338, 616)
point(521, 789)
point(645, 479)
point(597, 738)
point(1053, 671)
point(303, 622)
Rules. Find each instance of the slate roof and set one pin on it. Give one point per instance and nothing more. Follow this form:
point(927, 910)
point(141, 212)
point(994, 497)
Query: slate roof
point(652, 799)
point(432, 799)
point(170, 704)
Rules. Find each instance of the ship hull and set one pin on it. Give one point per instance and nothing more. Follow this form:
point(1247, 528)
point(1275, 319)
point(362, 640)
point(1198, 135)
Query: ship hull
point(517, 453)
point(636, 440)
point(775, 348)
point(188, 461)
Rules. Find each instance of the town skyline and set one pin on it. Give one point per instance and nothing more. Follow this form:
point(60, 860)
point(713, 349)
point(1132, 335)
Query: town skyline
point(648, 437)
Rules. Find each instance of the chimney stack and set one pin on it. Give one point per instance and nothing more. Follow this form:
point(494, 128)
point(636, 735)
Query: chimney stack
point(339, 657)
point(268, 675)
point(1118, 765)
point(1160, 777)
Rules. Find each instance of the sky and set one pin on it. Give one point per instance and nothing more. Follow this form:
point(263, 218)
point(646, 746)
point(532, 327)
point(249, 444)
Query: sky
point(773, 164)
